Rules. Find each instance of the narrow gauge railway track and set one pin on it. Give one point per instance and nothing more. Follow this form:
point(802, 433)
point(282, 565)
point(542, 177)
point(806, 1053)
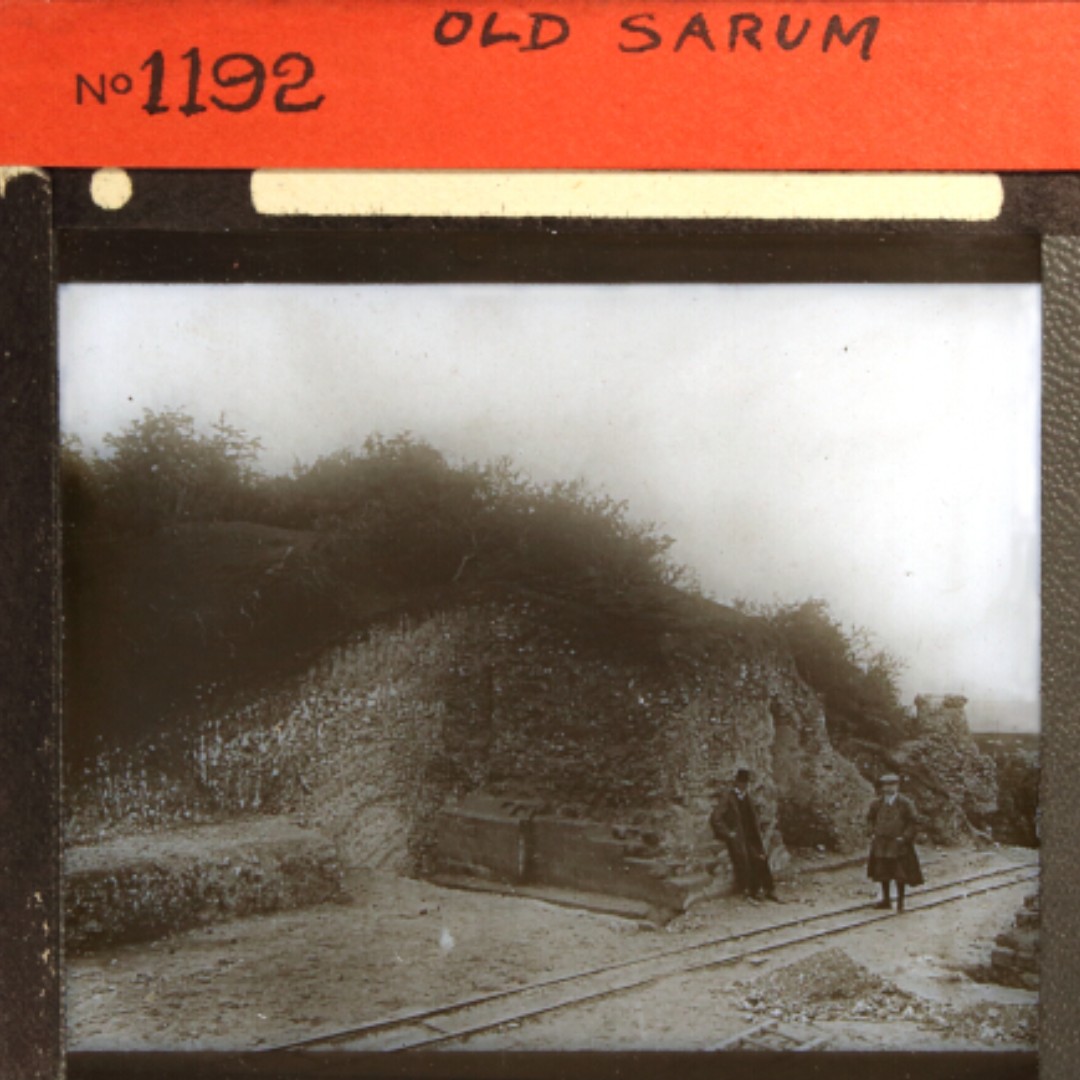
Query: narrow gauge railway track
point(417, 1028)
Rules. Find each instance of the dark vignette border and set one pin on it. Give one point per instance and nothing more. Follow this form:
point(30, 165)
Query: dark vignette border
point(30, 996)
point(191, 226)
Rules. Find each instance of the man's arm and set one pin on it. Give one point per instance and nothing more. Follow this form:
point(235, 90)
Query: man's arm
point(911, 821)
point(718, 821)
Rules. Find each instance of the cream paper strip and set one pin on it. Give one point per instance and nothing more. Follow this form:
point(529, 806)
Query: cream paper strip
point(758, 196)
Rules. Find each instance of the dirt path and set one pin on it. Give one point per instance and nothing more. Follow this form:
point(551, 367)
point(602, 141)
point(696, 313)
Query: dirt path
point(902, 983)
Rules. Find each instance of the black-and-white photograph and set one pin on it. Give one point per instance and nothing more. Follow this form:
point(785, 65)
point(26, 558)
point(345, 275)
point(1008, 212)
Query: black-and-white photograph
point(551, 667)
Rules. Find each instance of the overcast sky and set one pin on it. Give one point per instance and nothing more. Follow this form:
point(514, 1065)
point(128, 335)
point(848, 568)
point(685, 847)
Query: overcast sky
point(876, 446)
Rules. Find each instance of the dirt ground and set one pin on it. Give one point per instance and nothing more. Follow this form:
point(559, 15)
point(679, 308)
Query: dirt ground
point(901, 983)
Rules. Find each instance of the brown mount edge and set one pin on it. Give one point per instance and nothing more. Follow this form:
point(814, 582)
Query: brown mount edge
point(731, 1064)
point(30, 975)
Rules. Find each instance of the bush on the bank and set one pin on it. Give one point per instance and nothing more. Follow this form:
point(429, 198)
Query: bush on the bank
point(857, 682)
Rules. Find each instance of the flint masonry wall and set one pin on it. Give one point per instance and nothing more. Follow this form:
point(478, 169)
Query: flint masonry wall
point(953, 782)
point(502, 698)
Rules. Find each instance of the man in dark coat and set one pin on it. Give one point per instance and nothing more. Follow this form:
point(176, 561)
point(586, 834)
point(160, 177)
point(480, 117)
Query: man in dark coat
point(893, 824)
point(735, 821)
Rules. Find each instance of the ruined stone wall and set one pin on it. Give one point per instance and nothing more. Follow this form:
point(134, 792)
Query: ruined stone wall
point(502, 698)
point(953, 783)
point(1016, 759)
point(544, 713)
point(762, 717)
point(346, 748)
point(823, 799)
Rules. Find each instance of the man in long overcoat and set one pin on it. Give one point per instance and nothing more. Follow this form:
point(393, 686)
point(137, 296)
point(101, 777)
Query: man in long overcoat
point(893, 824)
point(734, 820)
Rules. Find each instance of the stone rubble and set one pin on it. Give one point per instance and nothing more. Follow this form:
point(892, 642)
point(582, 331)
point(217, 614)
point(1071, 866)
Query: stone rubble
point(1015, 960)
point(828, 986)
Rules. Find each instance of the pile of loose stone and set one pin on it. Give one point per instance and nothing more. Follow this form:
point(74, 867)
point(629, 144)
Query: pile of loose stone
point(829, 986)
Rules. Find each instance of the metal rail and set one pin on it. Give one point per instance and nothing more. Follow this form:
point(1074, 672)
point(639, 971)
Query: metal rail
point(421, 1027)
point(770, 1035)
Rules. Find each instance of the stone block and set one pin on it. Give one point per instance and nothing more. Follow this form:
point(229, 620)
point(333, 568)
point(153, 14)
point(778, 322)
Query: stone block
point(1026, 962)
point(1003, 958)
point(584, 855)
point(487, 842)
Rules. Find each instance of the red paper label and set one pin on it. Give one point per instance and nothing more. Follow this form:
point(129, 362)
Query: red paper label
point(553, 84)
